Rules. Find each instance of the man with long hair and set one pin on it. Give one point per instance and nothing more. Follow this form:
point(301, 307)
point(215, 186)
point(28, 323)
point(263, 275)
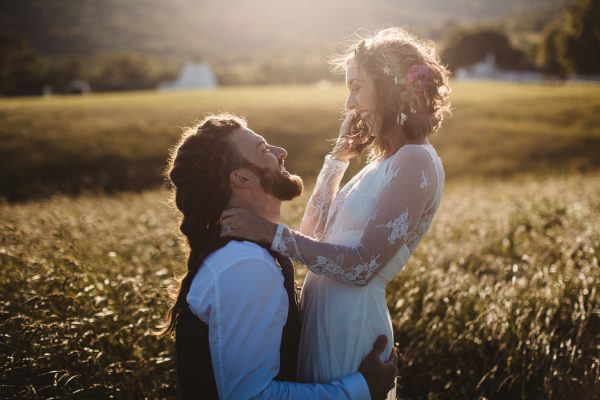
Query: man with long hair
point(235, 317)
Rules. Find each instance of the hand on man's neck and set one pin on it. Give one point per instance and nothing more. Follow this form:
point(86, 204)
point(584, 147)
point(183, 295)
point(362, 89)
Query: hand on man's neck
point(263, 204)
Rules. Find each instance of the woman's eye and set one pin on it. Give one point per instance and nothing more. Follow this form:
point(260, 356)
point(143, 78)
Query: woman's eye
point(266, 150)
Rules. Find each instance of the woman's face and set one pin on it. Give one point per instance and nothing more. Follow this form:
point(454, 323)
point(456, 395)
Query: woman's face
point(360, 86)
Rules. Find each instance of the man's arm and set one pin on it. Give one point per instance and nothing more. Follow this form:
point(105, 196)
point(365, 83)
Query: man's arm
point(246, 320)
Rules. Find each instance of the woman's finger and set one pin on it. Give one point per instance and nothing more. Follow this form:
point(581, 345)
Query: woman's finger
point(227, 230)
point(347, 123)
point(231, 224)
point(230, 212)
point(230, 220)
point(226, 218)
point(235, 218)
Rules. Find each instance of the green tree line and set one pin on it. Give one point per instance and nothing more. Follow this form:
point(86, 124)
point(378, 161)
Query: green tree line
point(568, 45)
point(23, 71)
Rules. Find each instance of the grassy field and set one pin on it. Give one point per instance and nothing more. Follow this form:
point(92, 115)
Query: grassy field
point(116, 142)
point(500, 301)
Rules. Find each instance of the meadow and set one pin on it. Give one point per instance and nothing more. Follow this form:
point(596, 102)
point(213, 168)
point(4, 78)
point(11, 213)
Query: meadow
point(500, 301)
point(115, 142)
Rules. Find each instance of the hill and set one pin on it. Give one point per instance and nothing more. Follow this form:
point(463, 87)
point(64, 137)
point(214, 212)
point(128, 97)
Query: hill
point(212, 29)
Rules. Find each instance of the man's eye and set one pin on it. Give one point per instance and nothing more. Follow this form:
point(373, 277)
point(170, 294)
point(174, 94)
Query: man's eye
point(266, 150)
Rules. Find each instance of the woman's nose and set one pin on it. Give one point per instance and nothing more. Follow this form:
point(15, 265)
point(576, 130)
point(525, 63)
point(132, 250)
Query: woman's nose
point(350, 103)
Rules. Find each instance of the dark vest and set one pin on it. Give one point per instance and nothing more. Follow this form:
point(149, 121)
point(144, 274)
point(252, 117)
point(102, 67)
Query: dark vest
point(194, 364)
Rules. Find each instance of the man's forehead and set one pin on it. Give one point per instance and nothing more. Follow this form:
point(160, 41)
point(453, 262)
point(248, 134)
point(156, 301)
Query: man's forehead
point(247, 136)
point(256, 137)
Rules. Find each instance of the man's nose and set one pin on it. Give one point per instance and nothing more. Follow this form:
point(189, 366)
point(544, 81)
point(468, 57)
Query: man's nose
point(280, 152)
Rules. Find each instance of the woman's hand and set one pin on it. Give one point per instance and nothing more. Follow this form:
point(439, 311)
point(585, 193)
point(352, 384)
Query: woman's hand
point(343, 150)
point(243, 224)
point(346, 145)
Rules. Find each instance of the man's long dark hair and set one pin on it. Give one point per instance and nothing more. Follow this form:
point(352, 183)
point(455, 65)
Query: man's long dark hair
point(198, 172)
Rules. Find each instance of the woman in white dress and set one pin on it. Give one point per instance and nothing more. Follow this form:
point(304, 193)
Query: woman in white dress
point(355, 241)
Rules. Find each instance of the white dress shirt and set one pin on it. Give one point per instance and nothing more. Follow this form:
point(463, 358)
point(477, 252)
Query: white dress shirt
point(238, 292)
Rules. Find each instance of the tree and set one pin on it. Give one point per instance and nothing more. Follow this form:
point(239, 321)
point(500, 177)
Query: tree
point(571, 46)
point(22, 70)
point(465, 47)
point(582, 39)
point(552, 51)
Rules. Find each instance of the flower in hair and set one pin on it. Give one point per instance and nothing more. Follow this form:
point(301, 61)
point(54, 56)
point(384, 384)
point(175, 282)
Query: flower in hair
point(387, 70)
point(417, 78)
point(418, 72)
point(401, 118)
point(359, 49)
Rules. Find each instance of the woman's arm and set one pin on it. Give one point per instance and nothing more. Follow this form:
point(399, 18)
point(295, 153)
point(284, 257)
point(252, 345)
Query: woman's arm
point(328, 183)
point(395, 224)
point(326, 187)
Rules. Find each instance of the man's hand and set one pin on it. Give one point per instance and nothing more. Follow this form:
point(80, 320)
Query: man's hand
point(379, 376)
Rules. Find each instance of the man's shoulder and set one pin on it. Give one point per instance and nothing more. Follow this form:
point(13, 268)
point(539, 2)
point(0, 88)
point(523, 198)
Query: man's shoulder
point(238, 270)
point(235, 255)
point(235, 252)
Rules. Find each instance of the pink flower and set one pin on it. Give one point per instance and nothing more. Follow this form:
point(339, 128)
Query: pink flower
point(417, 72)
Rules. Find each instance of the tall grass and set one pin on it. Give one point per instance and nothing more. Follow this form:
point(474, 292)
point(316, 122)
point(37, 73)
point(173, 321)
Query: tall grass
point(500, 301)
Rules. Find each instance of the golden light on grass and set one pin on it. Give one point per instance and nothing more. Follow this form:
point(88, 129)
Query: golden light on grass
point(499, 301)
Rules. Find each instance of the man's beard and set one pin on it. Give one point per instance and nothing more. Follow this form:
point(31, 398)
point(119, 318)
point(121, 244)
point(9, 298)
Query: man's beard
point(281, 186)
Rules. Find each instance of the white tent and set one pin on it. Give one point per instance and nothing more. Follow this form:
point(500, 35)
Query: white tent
point(192, 76)
point(487, 69)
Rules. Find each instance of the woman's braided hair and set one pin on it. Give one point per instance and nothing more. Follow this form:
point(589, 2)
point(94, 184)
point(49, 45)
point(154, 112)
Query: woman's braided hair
point(411, 85)
point(198, 173)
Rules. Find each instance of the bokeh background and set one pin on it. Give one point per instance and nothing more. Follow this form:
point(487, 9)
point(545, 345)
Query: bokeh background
point(501, 299)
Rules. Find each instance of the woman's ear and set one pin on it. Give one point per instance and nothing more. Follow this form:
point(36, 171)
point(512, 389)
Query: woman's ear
point(242, 177)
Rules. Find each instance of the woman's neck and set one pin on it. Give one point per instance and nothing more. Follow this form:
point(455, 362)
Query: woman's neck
point(397, 140)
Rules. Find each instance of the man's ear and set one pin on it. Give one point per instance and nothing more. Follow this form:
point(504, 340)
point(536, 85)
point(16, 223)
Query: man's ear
point(243, 178)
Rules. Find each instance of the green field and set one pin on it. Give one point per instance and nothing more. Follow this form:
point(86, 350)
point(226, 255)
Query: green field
point(500, 301)
point(116, 142)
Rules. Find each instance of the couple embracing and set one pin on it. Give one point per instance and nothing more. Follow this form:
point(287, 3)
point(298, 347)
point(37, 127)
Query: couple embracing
point(239, 331)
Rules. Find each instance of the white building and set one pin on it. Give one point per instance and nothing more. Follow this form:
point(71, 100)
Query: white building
point(192, 76)
point(484, 69)
point(487, 69)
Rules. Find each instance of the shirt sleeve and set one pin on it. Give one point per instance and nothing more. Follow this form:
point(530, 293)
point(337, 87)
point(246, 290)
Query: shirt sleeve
point(411, 187)
point(326, 187)
point(245, 327)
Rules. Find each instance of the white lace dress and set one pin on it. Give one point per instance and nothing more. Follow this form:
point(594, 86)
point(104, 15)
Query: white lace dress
point(353, 243)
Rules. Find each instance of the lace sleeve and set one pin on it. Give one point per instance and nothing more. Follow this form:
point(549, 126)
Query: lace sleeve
point(326, 187)
point(398, 211)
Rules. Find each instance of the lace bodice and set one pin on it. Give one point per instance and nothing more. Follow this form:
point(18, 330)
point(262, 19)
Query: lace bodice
point(384, 209)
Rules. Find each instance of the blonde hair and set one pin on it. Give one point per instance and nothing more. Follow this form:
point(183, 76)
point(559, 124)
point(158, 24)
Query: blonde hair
point(411, 86)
